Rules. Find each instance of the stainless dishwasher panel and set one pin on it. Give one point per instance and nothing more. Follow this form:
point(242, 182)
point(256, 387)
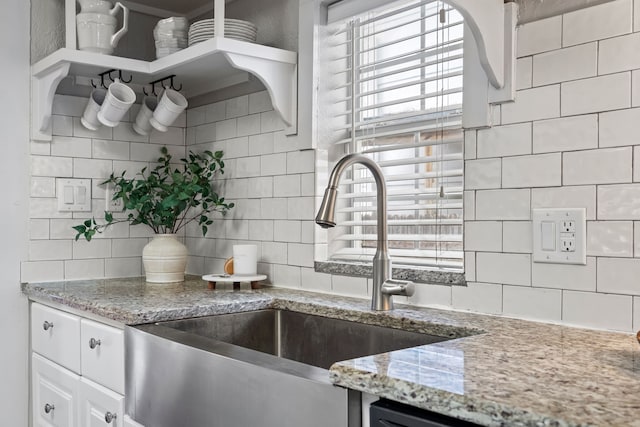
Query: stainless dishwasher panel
point(178, 379)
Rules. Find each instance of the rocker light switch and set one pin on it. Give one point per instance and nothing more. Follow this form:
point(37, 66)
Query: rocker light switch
point(74, 195)
point(548, 238)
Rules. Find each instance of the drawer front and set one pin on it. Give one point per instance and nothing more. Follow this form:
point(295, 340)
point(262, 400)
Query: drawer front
point(102, 350)
point(99, 406)
point(128, 422)
point(56, 335)
point(55, 394)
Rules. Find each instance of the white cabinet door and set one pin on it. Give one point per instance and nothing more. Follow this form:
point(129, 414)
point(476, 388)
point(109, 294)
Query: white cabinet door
point(99, 406)
point(102, 350)
point(55, 394)
point(56, 335)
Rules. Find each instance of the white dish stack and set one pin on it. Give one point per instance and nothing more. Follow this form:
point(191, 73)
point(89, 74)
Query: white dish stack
point(170, 35)
point(233, 29)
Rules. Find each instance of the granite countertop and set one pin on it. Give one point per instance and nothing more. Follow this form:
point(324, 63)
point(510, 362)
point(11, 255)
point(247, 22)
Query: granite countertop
point(493, 371)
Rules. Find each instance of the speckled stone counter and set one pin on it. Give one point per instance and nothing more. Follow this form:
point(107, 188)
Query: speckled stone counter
point(493, 371)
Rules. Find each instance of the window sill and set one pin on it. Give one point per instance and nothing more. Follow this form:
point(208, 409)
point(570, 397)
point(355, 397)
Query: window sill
point(417, 275)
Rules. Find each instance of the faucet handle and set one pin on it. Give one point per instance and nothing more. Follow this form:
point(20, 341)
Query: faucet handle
point(398, 287)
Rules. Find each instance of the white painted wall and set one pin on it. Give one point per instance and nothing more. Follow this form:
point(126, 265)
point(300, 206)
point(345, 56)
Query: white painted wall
point(14, 136)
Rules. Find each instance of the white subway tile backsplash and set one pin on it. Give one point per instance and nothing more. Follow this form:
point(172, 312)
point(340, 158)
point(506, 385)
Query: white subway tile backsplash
point(533, 104)
point(205, 133)
point(38, 229)
point(125, 132)
point(96, 248)
point(562, 65)
point(532, 303)
point(517, 236)
point(287, 231)
point(46, 250)
point(596, 94)
point(618, 128)
point(103, 132)
point(349, 286)
point(123, 267)
point(41, 271)
point(92, 168)
point(237, 107)
point(308, 184)
point(261, 230)
point(84, 269)
point(539, 36)
point(480, 297)
point(127, 247)
point(260, 187)
point(619, 202)
point(503, 204)
point(603, 166)
point(610, 238)
point(300, 208)
point(300, 254)
point(504, 268)
point(215, 112)
point(636, 22)
point(40, 148)
point(619, 54)
point(502, 141)
point(286, 276)
point(236, 229)
point(247, 167)
point(274, 208)
point(261, 144)
point(301, 161)
point(43, 186)
point(597, 22)
point(470, 144)
point(565, 276)
point(274, 252)
point(282, 142)
point(61, 228)
point(259, 102)
point(565, 134)
point(249, 125)
point(483, 236)
point(482, 174)
point(619, 276)
point(470, 266)
point(173, 136)
point(541, 170)
point(273, 164)
point(51, 166)
point(45, 208)
point(566, 197)
point(113, 150)
point(226, 129)
point(196, 116)
point(237, 147)
point(286, 186)
point(64, 146)
point(61, 125)
point(69, 105)
point(469, 205)
point(524, 73)
point(613, 311)
point(316, 282)
point(270, 122)
point(431, 296)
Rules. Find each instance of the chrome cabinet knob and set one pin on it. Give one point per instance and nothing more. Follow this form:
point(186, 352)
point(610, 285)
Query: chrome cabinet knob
point(48, 408)
point(47, 325)
point(93, 343)
point(109, 417)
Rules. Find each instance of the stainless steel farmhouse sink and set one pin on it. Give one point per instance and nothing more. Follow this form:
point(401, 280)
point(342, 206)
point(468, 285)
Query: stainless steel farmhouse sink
point(259, 368)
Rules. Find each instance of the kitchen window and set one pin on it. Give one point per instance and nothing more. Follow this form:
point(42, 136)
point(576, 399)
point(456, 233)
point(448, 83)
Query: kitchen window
point(392, 89)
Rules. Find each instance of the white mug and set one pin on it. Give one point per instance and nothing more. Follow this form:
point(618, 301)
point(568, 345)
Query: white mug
point(89, 118)
point(245, 260)
point(119, 99)
point(171, 105)
point(142, 124)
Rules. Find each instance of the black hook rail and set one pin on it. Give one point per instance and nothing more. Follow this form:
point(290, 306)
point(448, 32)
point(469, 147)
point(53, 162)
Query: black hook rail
point(108, 74)
point(169, 85)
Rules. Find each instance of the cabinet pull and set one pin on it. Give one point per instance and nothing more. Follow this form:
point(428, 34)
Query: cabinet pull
point(48, 408)
point(47, 325)
point(108, 417)
point(93, 343)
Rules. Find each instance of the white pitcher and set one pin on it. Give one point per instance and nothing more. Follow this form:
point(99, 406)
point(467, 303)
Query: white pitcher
point(96, 24)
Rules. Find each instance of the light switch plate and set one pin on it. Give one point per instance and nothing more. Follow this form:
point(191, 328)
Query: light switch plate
point(74, 195)
point(559, 235)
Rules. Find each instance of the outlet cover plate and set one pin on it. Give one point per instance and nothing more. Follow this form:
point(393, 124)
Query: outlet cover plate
point(575, 218)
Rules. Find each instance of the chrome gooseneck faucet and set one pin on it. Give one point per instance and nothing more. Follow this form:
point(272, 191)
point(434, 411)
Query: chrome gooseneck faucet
point(383, 286)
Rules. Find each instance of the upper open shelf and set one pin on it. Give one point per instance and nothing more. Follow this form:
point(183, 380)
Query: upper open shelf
point(210, 65)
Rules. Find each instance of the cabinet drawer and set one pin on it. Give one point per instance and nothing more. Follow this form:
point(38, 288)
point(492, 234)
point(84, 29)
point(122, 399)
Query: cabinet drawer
point(102, 351)
point(55, 394)
point(56, 335)
point(99, 406)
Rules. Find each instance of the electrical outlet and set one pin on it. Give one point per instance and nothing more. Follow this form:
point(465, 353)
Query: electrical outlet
point(568, 245)
point(110, 204)
point(568, 226)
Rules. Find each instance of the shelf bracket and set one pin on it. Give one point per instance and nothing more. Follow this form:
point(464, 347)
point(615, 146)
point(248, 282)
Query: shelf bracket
point(43, 89)
point(281, 81)
point(487, 23)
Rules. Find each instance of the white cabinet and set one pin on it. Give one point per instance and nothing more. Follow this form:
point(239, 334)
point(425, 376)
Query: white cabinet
point(102, 354)
point(55, 394)
point(77, 371)
point(100, 406)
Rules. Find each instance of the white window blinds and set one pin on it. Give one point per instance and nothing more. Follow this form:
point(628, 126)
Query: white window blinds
point(394, 92)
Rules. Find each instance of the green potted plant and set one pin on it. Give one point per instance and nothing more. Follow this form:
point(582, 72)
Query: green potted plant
point(165, 198)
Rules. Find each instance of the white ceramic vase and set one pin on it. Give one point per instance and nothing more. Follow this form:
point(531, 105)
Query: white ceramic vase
point(164, 259)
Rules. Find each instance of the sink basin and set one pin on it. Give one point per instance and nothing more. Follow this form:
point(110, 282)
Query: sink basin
point(305, 338)
point(266, 368)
